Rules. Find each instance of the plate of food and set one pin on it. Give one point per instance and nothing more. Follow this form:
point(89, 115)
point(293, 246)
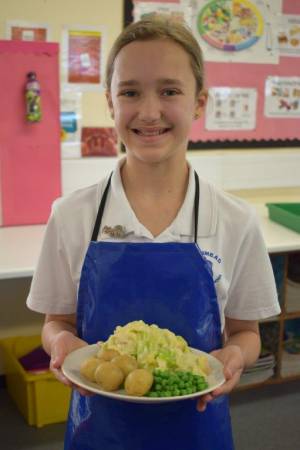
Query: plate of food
point(144, 364)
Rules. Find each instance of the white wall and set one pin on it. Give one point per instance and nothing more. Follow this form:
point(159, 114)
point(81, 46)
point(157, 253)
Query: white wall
point(230, 170)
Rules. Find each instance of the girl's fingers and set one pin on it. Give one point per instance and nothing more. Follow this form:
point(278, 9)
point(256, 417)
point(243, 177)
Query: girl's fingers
point(228, 385)
point(202, 402)
point(83, 391)
point(60, 376)
point(222, 390)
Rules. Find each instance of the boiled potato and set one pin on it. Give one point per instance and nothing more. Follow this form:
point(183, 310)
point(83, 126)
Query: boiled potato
point(126, 363)
point(109, 376)
point(107, 354)
point(89, 366)
point(138, 382)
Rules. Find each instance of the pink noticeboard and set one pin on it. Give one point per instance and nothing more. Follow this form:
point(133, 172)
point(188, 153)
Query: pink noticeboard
point(252, 75)
point(30, 177)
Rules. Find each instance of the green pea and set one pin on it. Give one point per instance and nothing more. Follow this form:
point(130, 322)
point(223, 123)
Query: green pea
point(153, 394)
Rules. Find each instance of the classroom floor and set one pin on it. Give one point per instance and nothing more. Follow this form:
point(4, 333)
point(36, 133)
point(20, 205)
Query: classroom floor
point(263, 419)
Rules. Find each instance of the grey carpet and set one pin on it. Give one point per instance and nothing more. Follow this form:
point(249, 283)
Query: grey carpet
point(267, 418)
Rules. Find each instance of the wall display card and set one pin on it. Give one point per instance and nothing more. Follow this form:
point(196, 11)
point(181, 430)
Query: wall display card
point(178, 11)
point(19, 30)
point(99, 142)
point(237, 30)
point(282, 97)
point(70, 121)
point(231, 109)
point(83, 57)
point(288, 37)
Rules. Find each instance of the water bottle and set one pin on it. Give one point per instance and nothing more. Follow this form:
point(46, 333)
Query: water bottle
point(33, 98)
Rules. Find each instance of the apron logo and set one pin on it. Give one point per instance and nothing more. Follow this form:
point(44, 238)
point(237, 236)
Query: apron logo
point(117, 232)
point(212, 259)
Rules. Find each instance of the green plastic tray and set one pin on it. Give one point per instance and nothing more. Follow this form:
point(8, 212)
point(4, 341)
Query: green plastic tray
point(287, 214)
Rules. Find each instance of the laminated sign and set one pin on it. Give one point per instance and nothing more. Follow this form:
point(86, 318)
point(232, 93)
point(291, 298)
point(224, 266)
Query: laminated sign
point(30, 177)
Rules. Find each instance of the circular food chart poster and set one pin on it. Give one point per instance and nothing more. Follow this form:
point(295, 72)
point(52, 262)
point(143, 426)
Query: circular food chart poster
point(230, 25)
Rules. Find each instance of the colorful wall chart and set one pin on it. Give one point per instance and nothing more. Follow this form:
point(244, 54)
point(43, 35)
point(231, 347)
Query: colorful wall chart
point(230, 25)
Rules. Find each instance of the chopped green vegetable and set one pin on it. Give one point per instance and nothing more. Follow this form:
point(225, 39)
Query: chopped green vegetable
point(156, 348)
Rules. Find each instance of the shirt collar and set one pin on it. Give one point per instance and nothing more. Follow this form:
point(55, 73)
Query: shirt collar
point(121, 213)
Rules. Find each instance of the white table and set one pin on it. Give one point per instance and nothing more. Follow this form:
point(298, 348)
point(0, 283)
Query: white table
point(19, 250)
point(277, 237)
point(20, 246)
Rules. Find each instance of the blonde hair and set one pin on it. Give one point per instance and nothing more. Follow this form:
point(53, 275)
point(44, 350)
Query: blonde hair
point(159, 28)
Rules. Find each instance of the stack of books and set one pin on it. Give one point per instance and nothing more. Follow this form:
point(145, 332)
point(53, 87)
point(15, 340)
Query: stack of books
point(261, 371)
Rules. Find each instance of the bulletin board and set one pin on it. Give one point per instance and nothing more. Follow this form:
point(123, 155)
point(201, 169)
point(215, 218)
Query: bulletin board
point(30, 165)
point(269, 131)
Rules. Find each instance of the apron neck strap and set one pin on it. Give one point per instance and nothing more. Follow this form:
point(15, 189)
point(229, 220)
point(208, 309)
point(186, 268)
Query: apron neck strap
point(196, 206)
point(100, 211)
point(104, 197)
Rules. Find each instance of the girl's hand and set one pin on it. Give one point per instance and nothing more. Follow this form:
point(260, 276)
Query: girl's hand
point(233, 361)
point(64, 343)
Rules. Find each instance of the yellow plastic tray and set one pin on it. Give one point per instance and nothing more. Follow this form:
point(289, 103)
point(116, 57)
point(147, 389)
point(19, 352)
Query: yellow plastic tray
point(40, 397)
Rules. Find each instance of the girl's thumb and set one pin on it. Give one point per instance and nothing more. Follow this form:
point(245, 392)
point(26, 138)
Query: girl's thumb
point(56, 357)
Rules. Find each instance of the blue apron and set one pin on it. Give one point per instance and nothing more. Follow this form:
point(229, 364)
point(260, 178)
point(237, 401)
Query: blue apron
point(171, 285)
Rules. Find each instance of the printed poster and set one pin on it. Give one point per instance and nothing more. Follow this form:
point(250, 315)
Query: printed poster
point(83, 57)
point(282, 97)
point(288, 37)
point(99, 141)
point(231, 109)
point(180, 11)
point(19, 30)
point(70, 122)
point(237, 30)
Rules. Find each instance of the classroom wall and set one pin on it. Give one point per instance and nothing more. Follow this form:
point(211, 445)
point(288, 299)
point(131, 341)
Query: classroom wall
point(57, 13)
point(236, 169)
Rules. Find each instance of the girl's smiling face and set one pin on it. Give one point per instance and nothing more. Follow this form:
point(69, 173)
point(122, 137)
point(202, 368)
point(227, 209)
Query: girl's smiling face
point(153, 99)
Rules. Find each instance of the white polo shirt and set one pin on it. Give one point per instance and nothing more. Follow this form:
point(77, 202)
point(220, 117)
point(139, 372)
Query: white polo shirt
point(228, 235)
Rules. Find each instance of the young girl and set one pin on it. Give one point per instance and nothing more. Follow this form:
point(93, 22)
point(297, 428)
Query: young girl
point(154, 242)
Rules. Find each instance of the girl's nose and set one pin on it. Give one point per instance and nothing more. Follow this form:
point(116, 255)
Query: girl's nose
point(150, 109)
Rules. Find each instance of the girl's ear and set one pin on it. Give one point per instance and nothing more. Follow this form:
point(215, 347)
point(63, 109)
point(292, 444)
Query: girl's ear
point(110, 104)
point(201, 101)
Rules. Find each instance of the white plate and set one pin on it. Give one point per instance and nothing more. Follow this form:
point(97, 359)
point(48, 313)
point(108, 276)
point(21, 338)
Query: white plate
point(73, 362)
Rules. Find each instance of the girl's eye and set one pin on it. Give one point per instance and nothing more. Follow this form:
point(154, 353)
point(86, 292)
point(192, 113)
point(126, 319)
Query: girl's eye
point(128, 93)
point(169, 92)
